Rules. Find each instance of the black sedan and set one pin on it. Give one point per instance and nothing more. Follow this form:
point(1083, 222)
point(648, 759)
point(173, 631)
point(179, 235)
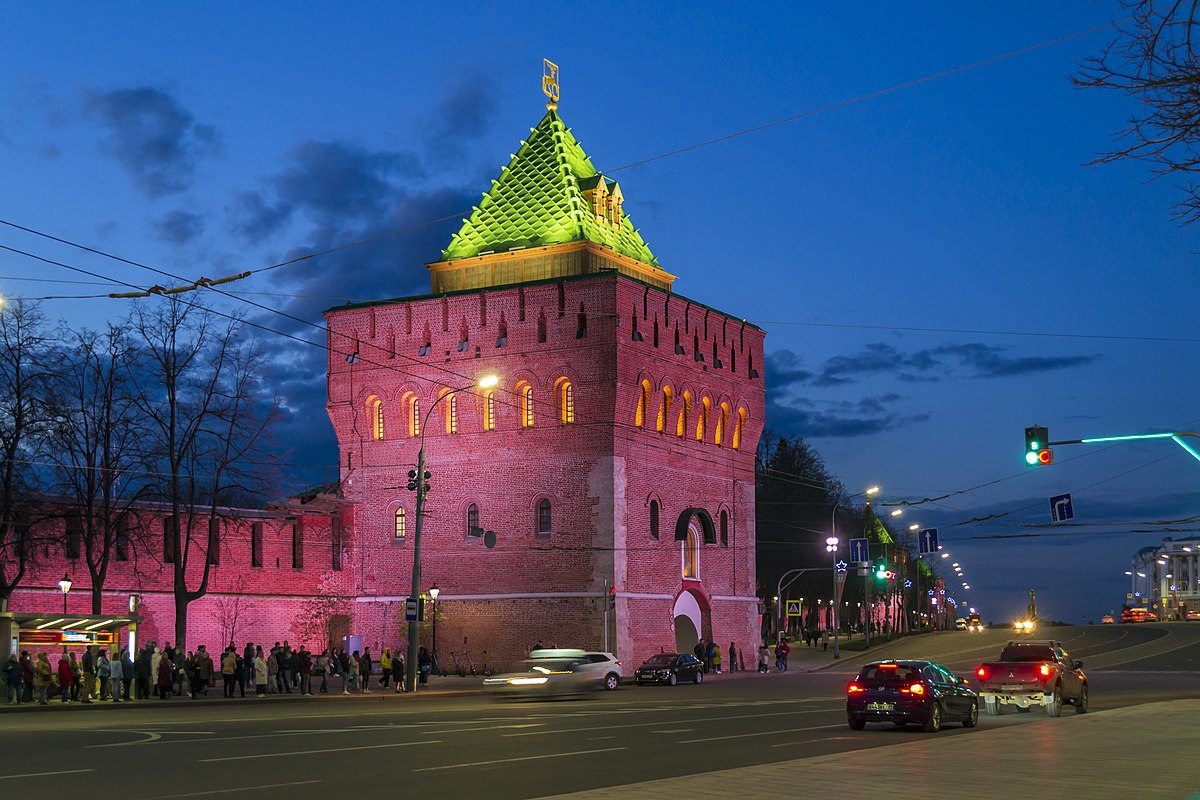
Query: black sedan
point(903, 692)
point(670, 668)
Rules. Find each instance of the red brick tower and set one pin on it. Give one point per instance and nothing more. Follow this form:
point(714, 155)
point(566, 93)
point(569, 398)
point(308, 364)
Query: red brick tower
point(603, 493)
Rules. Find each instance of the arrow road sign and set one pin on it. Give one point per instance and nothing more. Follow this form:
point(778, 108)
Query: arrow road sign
point(793, 608)
point(927, 539)
point(859, 551)
point(1061, 509)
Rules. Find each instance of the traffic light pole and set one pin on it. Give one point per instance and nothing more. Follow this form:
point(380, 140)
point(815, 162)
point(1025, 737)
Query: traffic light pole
point(410, 678)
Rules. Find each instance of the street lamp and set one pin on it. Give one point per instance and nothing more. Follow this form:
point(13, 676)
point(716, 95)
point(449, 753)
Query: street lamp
point(419, 476)
point(434, 591)
point(831, 546)
point(65, 586)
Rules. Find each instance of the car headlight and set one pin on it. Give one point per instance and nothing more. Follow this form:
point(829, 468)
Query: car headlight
point(527, 681)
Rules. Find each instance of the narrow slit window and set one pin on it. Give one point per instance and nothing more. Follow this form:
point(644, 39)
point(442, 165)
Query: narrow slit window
point(400, 532)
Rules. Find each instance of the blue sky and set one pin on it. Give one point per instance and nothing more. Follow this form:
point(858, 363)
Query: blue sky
point(210, 139)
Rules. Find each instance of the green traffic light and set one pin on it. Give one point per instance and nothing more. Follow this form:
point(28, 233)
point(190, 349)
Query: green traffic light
point(1031, 458)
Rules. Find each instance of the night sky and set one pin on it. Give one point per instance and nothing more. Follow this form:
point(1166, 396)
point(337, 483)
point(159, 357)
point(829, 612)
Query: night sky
point(936, 268)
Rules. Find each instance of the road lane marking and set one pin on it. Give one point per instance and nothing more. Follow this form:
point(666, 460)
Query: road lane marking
point(310, 732)
point(675, 730)
point(810, 741)
point(43, 774)
point(670, 722)
point(317, 752)
point(519, 758)
point(759, 733)
point(243, 789)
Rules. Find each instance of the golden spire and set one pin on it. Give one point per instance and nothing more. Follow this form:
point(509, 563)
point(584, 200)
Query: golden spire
point(550, 82)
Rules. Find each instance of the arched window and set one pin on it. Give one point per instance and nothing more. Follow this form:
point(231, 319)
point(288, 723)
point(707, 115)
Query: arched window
point(543, 519)
point(452, 414)
point(653, 519)
point(724, 528)
point(412, 412)
point(566, 401)
point(702, 422)
point(473, 520)
point(691, 554)
point(738, 425)
point(722, 423)
point(684, 414)
point(664, 410)
point(375, 416)
point(643, 406)
point(489, 411)
point(400, 530)
point(525, 401)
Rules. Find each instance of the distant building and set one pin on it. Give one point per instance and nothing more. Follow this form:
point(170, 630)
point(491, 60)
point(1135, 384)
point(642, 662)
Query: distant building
point(1166, 578)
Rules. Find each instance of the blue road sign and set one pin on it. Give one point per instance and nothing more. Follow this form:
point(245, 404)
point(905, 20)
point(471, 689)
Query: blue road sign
point(859, 550)
point(793, 608)
point(1061, 508)
point(927, 540)
point(410, 609)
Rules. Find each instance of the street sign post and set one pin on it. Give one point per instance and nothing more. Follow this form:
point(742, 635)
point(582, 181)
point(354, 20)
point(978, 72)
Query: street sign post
point(1061, 508)
point(793, 608)
point(859, 550)
point(927, 539)
point(411, 609)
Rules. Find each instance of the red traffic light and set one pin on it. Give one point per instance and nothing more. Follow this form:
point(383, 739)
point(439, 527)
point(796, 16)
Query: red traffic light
point(1045, 456)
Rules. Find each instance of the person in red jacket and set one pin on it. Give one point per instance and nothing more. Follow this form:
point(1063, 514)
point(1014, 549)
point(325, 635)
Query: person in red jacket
point(165, 678)
point(65, 678)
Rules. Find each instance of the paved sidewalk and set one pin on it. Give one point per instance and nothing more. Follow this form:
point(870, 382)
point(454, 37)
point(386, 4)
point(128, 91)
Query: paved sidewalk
point(1146, 751)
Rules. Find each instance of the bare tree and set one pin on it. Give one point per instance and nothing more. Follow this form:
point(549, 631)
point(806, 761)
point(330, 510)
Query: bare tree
point(1154, 60)
point(228, 610)
point(25, 380)
point(324, 618)
point(197, 387)
point(95, 444)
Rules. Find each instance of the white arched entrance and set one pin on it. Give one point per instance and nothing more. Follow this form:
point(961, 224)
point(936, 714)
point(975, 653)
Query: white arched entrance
point(687, 622)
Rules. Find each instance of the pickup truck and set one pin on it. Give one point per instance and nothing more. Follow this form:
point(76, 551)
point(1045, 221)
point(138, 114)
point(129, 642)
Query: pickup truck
point(1033, 673)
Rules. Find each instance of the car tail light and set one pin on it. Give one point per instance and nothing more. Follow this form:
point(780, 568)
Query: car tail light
point(619, 663)
point(1045, 670)
point(854, 688)
point(983, 673)
point(888, 666)
point(915, 688)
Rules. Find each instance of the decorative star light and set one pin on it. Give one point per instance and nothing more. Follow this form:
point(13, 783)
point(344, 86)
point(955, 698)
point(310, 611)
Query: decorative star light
point(908, 584)
point(840, 566)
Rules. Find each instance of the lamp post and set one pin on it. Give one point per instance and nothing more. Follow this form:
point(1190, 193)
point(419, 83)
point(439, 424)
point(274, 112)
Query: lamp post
point(65, 586)
point(418, 477)
point(433, 595)
point(831, 546)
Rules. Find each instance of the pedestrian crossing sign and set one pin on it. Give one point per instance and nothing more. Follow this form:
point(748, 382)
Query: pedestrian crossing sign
point(793, 608)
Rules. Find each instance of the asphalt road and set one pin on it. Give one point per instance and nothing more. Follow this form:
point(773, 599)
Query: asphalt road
point(455, 746)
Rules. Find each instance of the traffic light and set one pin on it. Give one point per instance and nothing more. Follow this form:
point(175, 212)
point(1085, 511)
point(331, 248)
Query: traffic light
point(1037, 449)
point(612, 597)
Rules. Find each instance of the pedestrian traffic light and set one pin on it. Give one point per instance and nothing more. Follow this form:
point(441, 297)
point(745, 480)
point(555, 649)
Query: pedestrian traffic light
point(1037, 450)
point(881, 571)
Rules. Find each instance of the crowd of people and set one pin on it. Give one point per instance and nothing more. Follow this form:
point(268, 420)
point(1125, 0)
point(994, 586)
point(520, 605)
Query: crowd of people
point(165, 672)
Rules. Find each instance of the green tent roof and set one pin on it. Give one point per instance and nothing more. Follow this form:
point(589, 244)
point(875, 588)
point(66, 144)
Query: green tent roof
point(538, 200)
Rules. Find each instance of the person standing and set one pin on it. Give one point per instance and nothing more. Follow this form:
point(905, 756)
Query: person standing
point(764, 658)
point(261, 676)
point(76, 677)
point(273, 671)
point(165, 677)
point(102, 672)
point(116, 675)
point(716, 657)
point(66, 677)
point(324, 664)
point(283, 660)
point(397, 671)
point(228, 671)
point(29, 672)
point(129, 670)
point(364, 670)
point(248, 663)
point(423, 665)
point(305, 666)
point(825, 639)
point(43, 678)
point(733, 655)
point(14, 679)
point(87, 668)
point(783, 651)
point(385, 667)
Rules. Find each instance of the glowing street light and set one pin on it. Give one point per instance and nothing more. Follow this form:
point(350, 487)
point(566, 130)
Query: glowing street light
point(65, 587)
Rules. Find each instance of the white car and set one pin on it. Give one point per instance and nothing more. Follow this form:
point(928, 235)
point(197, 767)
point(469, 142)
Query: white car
point(604, 667)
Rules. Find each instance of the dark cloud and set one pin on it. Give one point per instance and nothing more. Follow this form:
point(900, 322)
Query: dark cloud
point(461, 118)
point(837, 419)
point(970, 360)
point(179, 227)
point(156, 139)
point(783, 370)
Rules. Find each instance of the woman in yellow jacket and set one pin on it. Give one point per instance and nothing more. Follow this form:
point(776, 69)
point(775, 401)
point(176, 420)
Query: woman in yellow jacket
point(385, 662)
point(44, 678)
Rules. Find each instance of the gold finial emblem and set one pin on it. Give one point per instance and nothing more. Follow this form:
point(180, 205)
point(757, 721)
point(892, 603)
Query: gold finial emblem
point(550, 82)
